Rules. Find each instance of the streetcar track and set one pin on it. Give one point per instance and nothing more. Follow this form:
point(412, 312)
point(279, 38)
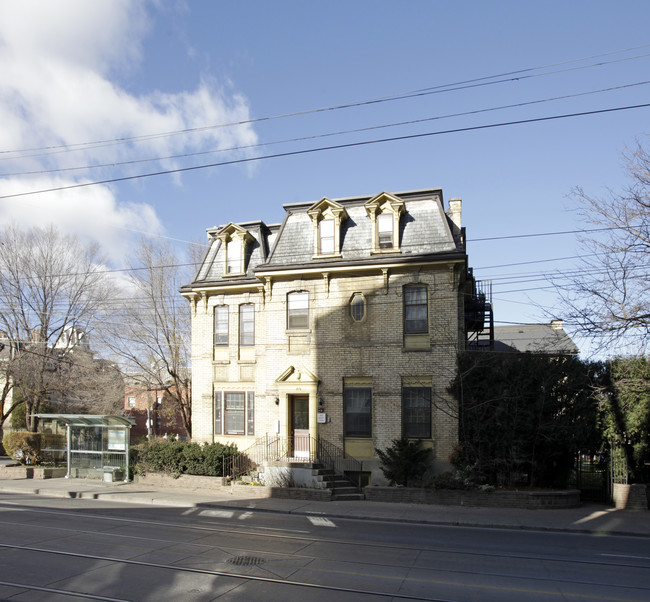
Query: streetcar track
point(238, 576)
point(63, 592)
point(312, 540)
point(320, 586)
point(279, 556)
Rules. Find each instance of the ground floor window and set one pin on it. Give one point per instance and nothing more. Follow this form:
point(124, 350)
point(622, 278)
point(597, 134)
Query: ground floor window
point(416, 412)
point(357, 411)
point(234, 413)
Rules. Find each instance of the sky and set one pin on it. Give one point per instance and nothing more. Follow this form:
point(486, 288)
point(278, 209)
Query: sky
point(237, 108)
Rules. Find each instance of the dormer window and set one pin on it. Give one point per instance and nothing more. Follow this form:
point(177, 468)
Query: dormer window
point(233, 256)
point(327, 218)
point(327, 236)
point(384, 211)
point(385, 230)
point(234, 240)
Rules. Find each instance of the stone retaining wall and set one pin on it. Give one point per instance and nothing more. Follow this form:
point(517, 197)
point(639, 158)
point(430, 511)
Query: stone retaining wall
point(184, 481)
point(155, 479)
point(31, 472)
point(287, 493)
point(455, 497)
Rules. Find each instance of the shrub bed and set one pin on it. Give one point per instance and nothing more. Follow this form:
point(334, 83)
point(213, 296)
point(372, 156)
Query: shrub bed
point(180, 457)
point(23, 446)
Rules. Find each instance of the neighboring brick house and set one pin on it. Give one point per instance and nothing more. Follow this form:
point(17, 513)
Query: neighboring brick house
point(341, 323)
point(153, 411)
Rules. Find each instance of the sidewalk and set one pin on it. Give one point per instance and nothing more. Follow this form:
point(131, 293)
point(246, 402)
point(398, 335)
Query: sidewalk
point(592, 518)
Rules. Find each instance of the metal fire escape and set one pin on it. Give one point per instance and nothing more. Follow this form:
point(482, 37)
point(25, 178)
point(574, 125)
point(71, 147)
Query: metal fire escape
point(479, 317)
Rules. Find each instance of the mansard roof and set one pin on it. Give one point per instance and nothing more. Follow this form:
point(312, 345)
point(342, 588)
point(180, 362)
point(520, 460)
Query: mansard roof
point(425, 233)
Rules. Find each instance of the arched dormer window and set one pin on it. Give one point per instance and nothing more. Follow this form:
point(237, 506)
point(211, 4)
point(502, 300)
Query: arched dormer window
point(384, 211)
point(234, 240)
point(327, 217)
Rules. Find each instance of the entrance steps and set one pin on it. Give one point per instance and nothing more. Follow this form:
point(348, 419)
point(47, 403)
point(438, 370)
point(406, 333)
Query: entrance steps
point(341, 488)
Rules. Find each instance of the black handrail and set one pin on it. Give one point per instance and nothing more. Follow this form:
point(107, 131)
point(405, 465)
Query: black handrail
point(278, 449)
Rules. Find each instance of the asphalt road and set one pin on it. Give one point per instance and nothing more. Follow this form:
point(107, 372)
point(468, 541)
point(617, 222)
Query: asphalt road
point(75, 549)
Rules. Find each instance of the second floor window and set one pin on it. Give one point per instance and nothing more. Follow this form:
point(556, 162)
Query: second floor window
point(416, 310)
point(131, 402)
point(221, 325)
point(246, 325)
point(297, 311)
point(327, 237)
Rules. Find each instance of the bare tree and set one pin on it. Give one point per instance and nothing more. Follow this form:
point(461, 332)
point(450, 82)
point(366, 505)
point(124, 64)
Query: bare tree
point(49, 284)
point(151, 331)
point(609, 298)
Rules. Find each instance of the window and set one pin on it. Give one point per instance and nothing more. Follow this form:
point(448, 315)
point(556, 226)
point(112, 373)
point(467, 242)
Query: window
point(131, 402)
point(235, 413)
point(416, 412)
point(358, 307)
point(416, 310)
point(327, 236)
point(385, 230)
point(233, 252)
point(250, 413)
point(217, 413)
point(221, 325)
point(297, 311)
point(358, 411)
point(159, 400)
point(238, 413)
point(246, 325)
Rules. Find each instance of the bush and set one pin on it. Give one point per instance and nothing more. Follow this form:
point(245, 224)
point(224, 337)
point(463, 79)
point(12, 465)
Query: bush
point(405, 462)
point(181, 457)
point(23, 446)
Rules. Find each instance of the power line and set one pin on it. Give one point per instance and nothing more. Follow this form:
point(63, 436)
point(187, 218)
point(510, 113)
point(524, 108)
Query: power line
point(320, 136)
point(460, 85)
point(326, 148)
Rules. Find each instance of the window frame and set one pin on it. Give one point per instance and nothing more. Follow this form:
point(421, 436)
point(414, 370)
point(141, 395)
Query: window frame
point(348, 430)
point(331, 237)
point(409, 326)
point(354, 304)
point(410, 427)
point(388, 219)
point(217, 322)
point(247, 335)
point(234, 264)
point(297, 314)
point(236, 421)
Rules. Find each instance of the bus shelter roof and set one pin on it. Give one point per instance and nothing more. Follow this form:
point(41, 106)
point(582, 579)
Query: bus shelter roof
point(88, 419)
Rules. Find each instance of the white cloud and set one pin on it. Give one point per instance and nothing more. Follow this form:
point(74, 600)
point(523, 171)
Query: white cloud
point(60, 60)
point(90, 212)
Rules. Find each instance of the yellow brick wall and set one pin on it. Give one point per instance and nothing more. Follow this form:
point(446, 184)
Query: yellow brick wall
point(334, 348)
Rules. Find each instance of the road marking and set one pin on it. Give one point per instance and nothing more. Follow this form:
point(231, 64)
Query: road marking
point(320, 521)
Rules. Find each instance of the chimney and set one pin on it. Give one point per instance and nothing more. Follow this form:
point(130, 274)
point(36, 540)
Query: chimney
point(454, 211)
point(556, 324)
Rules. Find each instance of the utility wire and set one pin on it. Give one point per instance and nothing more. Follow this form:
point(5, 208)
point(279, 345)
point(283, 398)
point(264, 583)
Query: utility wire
point(326, 148)
point(463, 84)
point(319, 136)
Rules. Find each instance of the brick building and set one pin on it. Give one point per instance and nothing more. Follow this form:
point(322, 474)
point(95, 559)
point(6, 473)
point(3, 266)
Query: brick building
point(342, 324)
point(153, 411)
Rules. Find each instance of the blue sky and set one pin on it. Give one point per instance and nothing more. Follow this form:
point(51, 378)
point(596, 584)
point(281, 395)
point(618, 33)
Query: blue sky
point(79, 72)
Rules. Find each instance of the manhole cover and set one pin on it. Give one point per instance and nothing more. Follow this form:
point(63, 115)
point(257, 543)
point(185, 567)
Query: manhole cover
point(245, 560)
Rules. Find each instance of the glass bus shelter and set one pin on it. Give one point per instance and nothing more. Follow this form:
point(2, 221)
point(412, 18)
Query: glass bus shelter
point(94, 446)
